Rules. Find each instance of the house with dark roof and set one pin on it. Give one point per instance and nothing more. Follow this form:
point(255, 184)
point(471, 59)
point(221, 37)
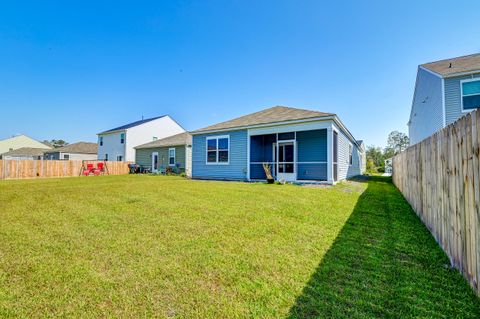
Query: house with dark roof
point(174, 152)
point(76, 151)
point(118, 143)
point(444, 91)
point(297, 145)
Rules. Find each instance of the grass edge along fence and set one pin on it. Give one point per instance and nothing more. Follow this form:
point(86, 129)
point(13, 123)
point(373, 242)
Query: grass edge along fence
point(440, 178)
point(22, 169)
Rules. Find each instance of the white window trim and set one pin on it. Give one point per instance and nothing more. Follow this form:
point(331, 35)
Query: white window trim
point(152, 162)
point(124, 138)
point(174, 156)
point(461, 93)
point(217, 137)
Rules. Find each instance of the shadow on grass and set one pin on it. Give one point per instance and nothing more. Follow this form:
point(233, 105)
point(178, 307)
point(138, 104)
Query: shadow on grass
point(385, 263)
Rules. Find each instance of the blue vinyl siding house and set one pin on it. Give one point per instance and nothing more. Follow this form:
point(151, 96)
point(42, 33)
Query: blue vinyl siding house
point(298, 145)
point(444, 91)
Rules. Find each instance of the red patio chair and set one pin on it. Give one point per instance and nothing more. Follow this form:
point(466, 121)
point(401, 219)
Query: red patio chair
point(89, 170)
point(99, 170)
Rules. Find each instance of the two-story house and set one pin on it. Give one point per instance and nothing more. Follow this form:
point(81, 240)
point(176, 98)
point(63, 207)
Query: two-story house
point(118, 144)
point(444, 91)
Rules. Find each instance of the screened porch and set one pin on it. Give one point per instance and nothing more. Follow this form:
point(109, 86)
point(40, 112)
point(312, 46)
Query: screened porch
point(292, 156)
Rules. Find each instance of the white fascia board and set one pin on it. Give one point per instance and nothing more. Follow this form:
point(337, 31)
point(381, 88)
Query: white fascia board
point(297, 127)
point(238, 128)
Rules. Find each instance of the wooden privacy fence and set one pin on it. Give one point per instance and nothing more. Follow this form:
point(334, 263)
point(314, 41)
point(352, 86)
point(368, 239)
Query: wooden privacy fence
point(440, 178)
point(18, 169)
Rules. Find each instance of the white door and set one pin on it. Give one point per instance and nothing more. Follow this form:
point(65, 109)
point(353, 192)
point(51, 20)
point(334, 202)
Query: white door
point(285, 161)
point(154, 162)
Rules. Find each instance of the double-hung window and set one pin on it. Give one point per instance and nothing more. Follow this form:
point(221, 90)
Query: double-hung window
point(100, 140)
point(122, 138)
point(470, 95)
point(218, 149)
point(171, 156)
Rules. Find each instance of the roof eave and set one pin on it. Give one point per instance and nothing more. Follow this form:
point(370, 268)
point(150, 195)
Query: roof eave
point(140, 147)
point(344, 128)
point(461, 74)
point(112, 132)
point(245, 127)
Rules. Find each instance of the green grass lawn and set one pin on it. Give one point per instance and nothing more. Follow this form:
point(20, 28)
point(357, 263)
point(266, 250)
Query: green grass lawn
point(144, 246)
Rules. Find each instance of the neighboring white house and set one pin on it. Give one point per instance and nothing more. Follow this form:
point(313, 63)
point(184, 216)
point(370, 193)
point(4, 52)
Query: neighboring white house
point(118, 144)
point(444, 92)
point(20, 141)
point(77, 151)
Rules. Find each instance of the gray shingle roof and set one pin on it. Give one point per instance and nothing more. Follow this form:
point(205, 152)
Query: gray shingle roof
point(451, 67)
point(272, 115)
point(178, 139)
point(80, 147)
point(133, 124)
point(26, 151)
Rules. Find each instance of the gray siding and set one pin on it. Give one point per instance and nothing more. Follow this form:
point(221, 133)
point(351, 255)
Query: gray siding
point(237, 167)
point(345, 170)
point(453, 98)
point(427, 107)
point(143, 157)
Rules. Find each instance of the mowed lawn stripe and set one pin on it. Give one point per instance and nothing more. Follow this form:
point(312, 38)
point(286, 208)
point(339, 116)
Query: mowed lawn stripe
point(131, 246)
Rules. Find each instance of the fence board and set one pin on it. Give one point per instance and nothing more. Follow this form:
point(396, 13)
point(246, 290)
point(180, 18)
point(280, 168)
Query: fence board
point(440, 178)
point(21, 169)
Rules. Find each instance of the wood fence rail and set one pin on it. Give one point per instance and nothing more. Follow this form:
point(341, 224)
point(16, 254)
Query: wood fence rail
point(440, 178)
point(18, 169)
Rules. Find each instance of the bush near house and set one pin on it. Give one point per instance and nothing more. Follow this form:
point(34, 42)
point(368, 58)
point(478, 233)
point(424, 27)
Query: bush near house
point(144, 246)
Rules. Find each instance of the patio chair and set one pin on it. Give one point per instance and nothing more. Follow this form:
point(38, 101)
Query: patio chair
point(88, 170)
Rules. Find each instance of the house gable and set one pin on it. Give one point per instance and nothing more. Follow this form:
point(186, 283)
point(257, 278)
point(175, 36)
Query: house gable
point(427, 112)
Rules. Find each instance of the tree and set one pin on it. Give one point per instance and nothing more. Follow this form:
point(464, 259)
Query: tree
point(388, 152)
point(56, 143)
point(375, 155)
point(397, 142)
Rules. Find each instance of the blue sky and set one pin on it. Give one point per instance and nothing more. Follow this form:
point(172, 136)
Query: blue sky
point(71, 69)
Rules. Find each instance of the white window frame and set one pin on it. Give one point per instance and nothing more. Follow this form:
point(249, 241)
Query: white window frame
point(461, 93)
point(217, 137)
point(106, 157)
point(174, 156)
point(119, 158)
point(152, 163)
point(100, 140)
point(66, 157)
point(124, 138)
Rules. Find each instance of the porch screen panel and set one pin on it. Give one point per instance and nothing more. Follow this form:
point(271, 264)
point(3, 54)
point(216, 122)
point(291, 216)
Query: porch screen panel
point(335, 156)
point(312, 155)
point(261, 151)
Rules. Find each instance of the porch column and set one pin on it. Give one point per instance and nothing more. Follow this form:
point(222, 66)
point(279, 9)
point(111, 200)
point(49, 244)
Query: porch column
point(330, 155)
